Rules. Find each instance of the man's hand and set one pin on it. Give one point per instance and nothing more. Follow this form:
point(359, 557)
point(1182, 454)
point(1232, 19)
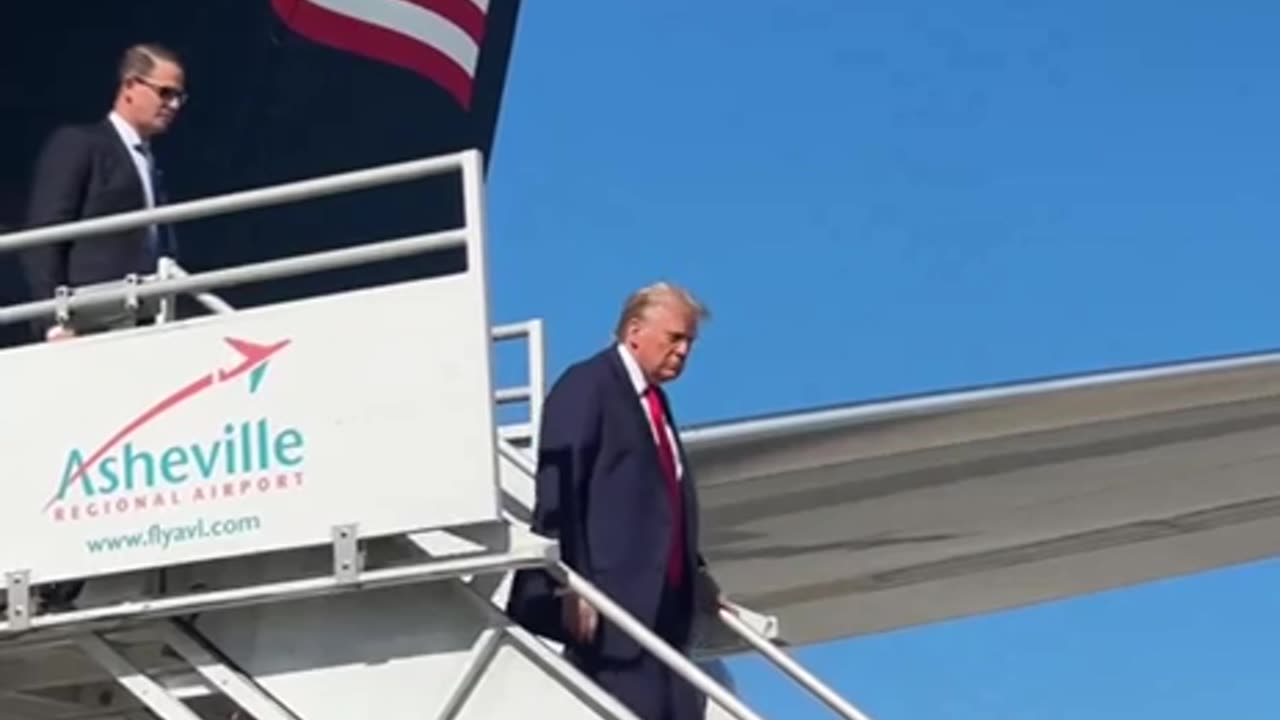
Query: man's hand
point(710, 597)
point(580, 619)
point(59, 332)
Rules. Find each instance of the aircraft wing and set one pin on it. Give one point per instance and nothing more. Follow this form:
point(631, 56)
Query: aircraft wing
point(865, 518)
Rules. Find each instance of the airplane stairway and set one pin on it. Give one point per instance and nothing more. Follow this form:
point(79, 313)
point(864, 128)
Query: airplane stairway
point(285, 522)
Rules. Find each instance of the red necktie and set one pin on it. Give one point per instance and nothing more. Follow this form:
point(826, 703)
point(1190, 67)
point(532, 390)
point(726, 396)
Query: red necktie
point(667, 459)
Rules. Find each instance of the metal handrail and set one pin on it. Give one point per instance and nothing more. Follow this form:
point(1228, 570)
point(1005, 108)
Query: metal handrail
point(739, 627)
point(792, 668)
point(521, 460)
point(654, 644)
point(526, 493)
point(467, 163)
point(535, 391)
point(628, 624)
point(242, 275)
point(211, 302)
point(282, 194)
point(281, 590)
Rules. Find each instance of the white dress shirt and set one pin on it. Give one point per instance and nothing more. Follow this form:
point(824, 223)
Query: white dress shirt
point(139, 152)
point(640, 384)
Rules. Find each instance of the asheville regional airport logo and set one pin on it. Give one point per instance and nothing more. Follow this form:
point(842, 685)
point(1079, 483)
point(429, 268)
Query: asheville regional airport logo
point(237, 459)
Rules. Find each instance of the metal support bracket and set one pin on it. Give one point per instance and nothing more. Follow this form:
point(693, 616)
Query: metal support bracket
point(18, 608)
point(346, 554)
point(166, 310)
point(492, 536)
point(481, 655)
point(143, 687)
point(230, 681)
point(131, 301)
point(62, 308)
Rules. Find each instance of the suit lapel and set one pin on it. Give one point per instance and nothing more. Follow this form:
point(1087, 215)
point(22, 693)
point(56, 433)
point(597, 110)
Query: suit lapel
point(689, 498)
point(120, 161)
point(626, 393)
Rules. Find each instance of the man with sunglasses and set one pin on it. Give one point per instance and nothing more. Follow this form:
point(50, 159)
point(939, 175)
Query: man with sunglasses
point(102, 169)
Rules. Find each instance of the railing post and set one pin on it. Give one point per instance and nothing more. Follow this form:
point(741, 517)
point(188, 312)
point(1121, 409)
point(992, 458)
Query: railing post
point(537, 381)
point(166, 268)
point(210, 301)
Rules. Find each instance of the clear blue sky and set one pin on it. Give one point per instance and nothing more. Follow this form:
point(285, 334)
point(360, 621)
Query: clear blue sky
point(893, 196)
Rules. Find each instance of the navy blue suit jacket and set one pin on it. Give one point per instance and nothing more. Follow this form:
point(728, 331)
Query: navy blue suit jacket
point(602, 494)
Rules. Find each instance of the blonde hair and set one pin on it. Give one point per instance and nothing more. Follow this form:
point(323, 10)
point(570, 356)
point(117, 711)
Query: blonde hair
point(641, 300)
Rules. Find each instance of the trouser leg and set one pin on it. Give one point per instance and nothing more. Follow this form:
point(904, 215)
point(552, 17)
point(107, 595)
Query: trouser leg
point(645, 684)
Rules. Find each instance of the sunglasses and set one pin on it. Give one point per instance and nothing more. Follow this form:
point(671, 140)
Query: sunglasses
point(166, 93)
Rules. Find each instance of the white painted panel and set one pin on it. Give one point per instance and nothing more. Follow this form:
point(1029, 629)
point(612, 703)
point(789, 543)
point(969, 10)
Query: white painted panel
point(249, 432)
point(394, 654)
point(390, 654)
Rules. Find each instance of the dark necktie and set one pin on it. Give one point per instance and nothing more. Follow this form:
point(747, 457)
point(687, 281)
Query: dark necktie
point(159, 237)
point(667, 459)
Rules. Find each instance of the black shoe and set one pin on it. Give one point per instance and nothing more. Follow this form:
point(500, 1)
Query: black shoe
point(59, 597)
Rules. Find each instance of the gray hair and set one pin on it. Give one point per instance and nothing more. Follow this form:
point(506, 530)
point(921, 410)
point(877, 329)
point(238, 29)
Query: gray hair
point(646, 297)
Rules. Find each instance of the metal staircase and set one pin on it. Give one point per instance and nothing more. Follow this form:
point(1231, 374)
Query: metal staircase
point(375, 589)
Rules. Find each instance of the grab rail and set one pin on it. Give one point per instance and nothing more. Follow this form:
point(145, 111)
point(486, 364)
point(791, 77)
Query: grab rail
point(534, 392)
point(214, 304)
point(468, 163)
point(241, 275)
point(282, 194)
point(792, 668)
point(654, 644)
point(740, 628)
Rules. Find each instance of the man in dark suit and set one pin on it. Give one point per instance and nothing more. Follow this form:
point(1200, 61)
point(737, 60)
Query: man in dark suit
point(102, 169)
point(613, 487)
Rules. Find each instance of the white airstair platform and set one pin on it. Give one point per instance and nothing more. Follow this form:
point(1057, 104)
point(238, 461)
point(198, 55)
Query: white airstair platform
point(302, 510)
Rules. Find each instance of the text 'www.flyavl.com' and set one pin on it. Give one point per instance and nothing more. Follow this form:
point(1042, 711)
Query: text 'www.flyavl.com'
point(166, 536)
